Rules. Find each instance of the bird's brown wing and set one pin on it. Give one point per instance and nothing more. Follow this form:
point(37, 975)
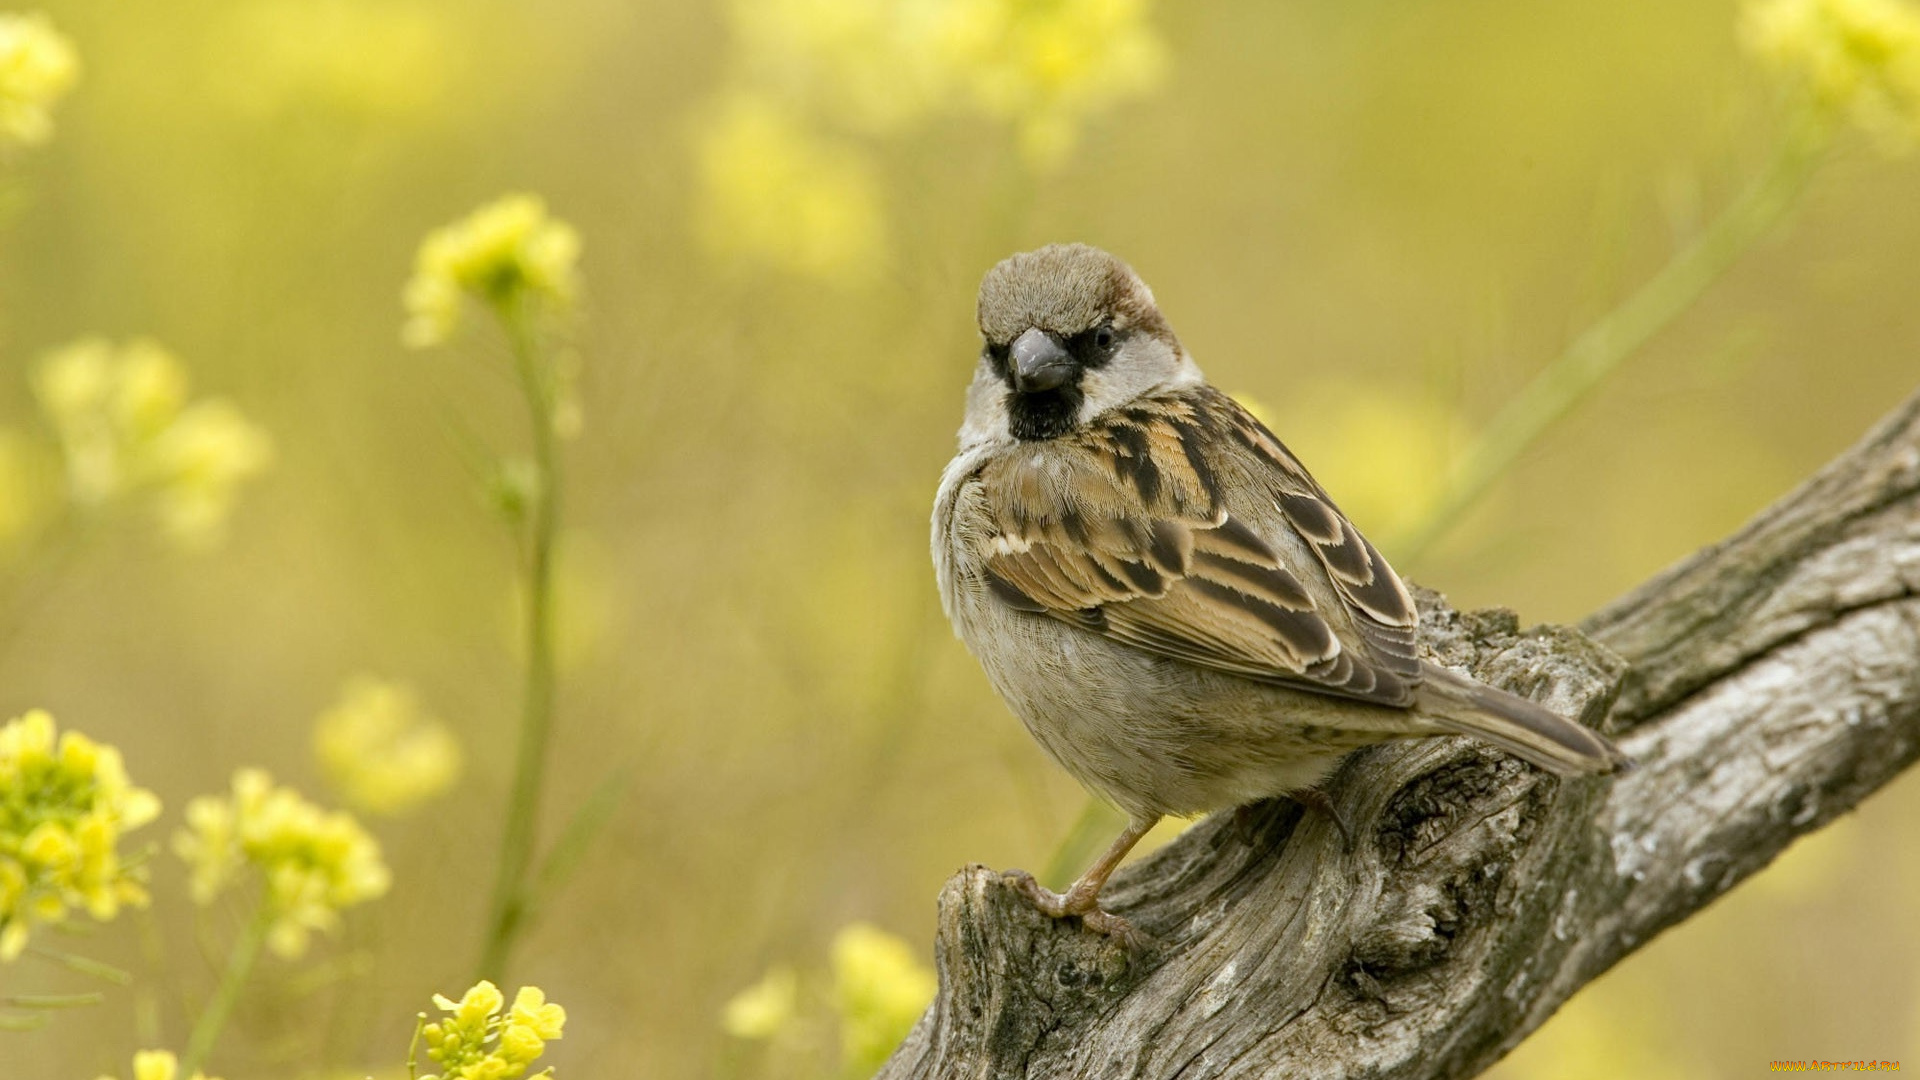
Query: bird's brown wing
point(1181, 525)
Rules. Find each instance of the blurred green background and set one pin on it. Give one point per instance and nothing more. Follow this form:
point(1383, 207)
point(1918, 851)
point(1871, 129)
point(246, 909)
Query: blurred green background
point(1376, 220)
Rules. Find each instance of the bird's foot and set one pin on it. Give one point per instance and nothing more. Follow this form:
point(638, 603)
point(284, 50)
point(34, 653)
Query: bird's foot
point(1322, 803)
point(1076, 903)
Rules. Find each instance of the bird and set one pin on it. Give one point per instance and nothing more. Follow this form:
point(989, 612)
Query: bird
point(1179, 614)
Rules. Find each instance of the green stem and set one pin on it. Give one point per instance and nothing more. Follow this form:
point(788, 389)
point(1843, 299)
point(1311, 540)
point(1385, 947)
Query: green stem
point(246, 950)
point(536, 713)
point(83, 965)
point(52, 1001)
point(413, 1046)
point(576, 839)
point(1595, 354)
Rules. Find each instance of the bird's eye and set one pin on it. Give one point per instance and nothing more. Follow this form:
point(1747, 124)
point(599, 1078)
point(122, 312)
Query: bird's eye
point(1103, 338)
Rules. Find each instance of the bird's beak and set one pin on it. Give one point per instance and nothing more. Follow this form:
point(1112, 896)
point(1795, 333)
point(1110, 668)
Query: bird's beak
point(1040, 362)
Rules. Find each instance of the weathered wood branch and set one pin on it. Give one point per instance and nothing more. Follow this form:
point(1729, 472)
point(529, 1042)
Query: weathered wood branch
point(1765, 685)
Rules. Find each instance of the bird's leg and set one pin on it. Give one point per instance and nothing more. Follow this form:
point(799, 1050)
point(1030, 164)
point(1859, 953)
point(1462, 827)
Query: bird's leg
point(1082, 898)
point(1322, 803)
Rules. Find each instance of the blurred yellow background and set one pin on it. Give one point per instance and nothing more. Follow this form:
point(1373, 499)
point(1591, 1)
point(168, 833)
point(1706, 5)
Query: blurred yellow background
point(1376, 220)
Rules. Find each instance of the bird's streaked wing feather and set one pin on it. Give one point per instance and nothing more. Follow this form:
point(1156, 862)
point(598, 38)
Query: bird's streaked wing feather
point(1125, 527)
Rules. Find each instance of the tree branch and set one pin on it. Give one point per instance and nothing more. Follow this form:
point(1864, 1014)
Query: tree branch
point(1765, 685)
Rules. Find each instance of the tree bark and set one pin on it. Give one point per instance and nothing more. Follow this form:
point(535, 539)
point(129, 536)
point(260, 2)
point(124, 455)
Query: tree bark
point(1765, 685)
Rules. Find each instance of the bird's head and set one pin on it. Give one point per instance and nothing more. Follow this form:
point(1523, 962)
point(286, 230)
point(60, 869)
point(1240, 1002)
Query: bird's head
point(1070, 333)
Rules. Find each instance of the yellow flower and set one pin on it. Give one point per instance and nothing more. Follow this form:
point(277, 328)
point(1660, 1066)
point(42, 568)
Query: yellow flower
point(881, 66)
point(871, 65)
point(311, 863)
point(1856, 58)
point(159, 1065)
point(880, 990)
point(509, 255)
point(764, 1009)
point(64, 803)
point(532, 1011)
point(279, 57)
point(477, 1043)
point(773, 192)
point(126, 429)
point(38, 66)
point(779, 182)
point(382, 751)
point(1047, 67)
point(199, 462)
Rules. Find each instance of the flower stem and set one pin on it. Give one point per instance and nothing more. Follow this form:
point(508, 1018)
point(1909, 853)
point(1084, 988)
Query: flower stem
point(246, 950)
point(52, 1001)
point(1595, 354)
point(510, 889)
point(413, 1046)
point(84, 965)
point(576, 839)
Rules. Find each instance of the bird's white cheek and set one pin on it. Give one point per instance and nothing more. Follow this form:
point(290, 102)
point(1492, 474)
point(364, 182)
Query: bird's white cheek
point(1113, 386)
point(1100, 394)
point(986, 419)
point(1187, 374)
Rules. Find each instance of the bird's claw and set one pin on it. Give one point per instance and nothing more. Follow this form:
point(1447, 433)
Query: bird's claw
point(1322, 803)
point(1045, 900)
point(1085, 907)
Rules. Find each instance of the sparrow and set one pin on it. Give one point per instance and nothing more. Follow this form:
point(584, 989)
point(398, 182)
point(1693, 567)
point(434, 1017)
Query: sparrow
point(1158, 588)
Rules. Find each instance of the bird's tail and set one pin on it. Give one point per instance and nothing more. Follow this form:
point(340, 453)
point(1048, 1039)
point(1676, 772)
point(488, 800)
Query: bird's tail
point(1514, 724)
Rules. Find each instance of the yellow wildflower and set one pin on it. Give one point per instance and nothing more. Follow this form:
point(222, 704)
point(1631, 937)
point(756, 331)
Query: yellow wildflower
point(778, 183)
point(311, 863)
point(382, 751)
point(764, 1009)
point(871, 65)
point(1856, 58)
point(126, 429)
point(476, 1042)
point(38, 66)
point(361, 56)
point(104, 402)
point(508, 254)
point(532, 1010)
point(880, 990)
point(778, 187)
point(159, 1065)
point(64, 803)
point(1047, 67)
point(878, 66)
point(199, 462)
point(774, 192)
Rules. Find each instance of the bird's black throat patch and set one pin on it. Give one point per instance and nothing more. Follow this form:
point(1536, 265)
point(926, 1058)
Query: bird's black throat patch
point(1047, 414)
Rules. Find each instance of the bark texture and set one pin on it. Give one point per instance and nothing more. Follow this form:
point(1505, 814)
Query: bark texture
point(1764, 685)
